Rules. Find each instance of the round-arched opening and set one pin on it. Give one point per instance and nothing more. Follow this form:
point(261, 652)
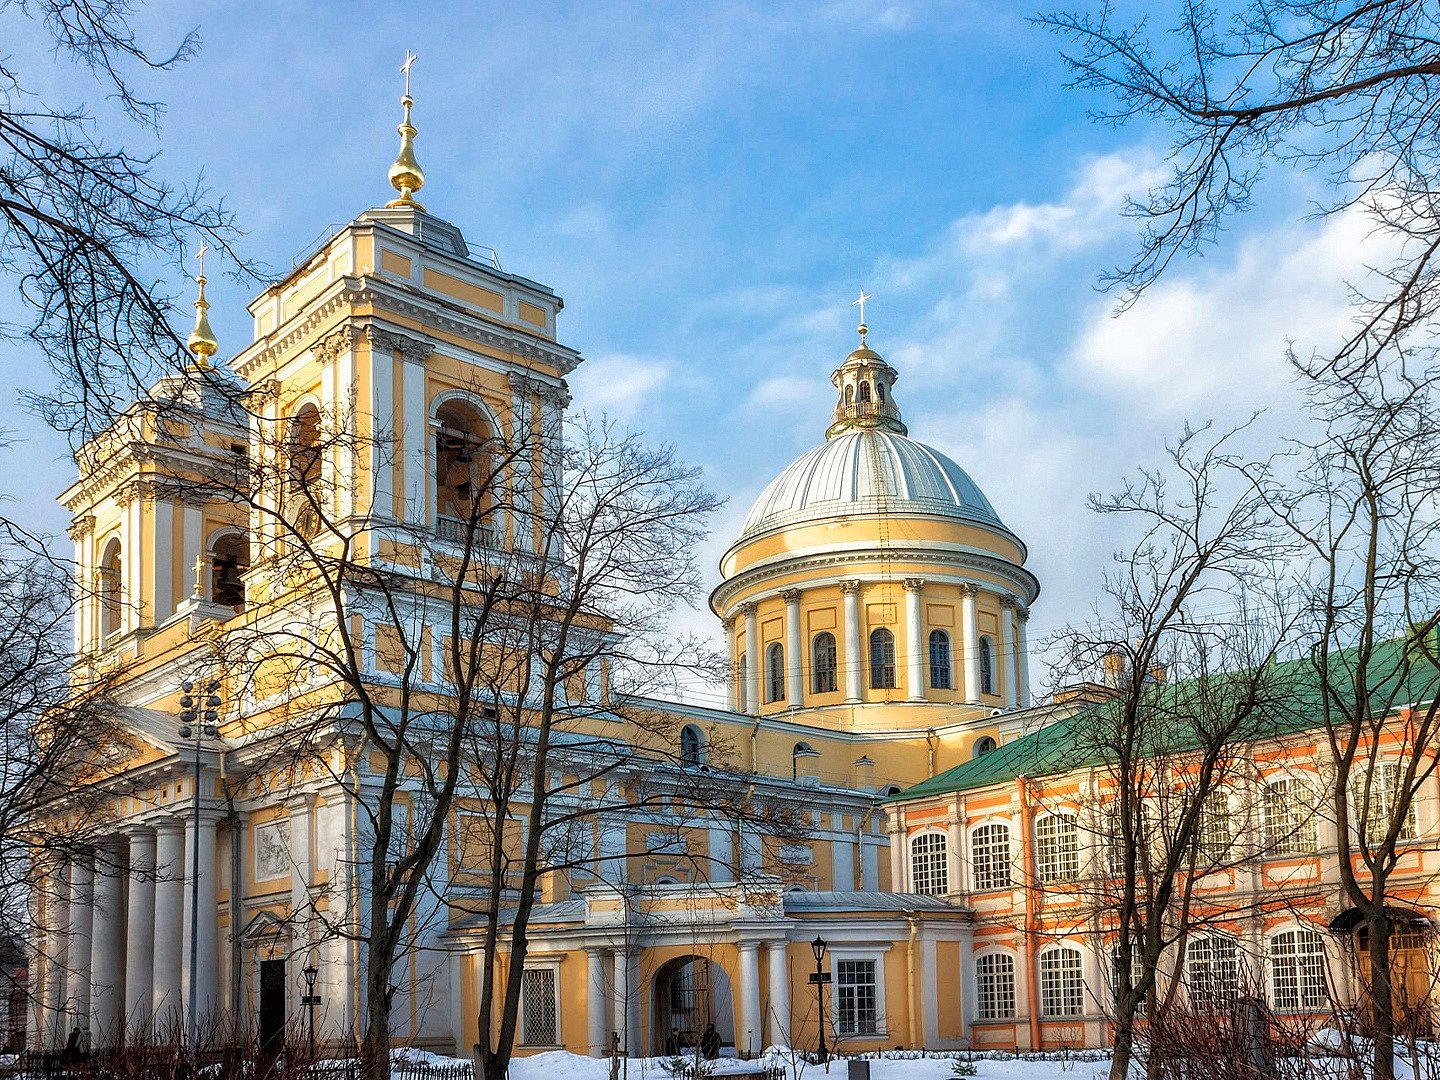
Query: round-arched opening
point(303, 448)
point(983, 745)
point(692, 747)
point(111, 603)
point(229, 559)
point(464, 486)
point(694, 1007)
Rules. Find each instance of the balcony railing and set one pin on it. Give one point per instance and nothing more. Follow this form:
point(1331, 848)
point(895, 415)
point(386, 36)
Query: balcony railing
point(458, 531)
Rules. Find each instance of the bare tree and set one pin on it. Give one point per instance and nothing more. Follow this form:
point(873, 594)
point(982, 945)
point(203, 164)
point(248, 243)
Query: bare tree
point(85, 223)
point(1189, 651)
point(472, 679)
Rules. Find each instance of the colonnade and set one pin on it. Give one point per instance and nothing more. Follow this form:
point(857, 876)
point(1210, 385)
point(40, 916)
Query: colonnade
point(616, 999)
point(1011, 652)
point(114, 954)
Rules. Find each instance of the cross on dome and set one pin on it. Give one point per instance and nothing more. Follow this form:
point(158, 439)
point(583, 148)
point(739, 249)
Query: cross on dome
point(861, 301)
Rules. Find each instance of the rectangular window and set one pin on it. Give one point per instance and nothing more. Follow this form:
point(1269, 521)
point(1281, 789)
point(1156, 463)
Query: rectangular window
point(1289, 819)
point(539, 1009)
point(1212, 971)
point(1375, 805)
point(855, 997)
point(1062, 984)
point(1216, 834)
point(995, 987)
point(1058, 844)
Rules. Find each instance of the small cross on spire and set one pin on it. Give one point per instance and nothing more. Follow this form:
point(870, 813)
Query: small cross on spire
point(410, 59)
point(861, 301)
point(200, 255)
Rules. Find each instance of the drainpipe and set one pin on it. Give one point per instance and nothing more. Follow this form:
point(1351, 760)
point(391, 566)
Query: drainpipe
point(930, 740)
point(754, 748)
point(911, 966)
point(1031, 896)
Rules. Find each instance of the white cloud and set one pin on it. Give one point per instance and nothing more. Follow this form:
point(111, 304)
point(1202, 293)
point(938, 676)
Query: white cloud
point(620, 385)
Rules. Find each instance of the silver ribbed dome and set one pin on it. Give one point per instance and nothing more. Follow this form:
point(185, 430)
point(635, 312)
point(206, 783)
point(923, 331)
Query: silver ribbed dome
point(863, 471)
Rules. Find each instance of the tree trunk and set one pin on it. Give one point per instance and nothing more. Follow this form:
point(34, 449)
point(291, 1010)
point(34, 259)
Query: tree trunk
point(1382, 995)
point(375, 1043)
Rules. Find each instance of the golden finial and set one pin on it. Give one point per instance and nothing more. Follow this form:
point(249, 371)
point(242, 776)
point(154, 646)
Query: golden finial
point(861, 302)
point(202, 339)
point(405, 175)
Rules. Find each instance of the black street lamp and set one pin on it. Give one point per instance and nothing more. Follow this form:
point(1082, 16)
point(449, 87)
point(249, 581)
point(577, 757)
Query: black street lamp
point(311, 999)
point(199, 719)
point(821, 979)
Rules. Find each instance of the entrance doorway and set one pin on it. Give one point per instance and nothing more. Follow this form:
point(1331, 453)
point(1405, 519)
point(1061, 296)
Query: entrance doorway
point(691, 993)
point(272, 1005)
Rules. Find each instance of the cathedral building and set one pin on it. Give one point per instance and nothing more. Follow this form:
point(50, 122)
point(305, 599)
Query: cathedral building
point(874, 608)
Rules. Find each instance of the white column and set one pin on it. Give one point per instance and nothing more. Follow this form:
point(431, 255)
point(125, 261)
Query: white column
point(107, 956)
point(750, 1032)
point(301, 823)
point(413, 434)
point(753, 660)
point(200, 901)
point(854, 659)
point(914, 646)
point(596, 1001)
point(794, 656)
point(627, 1003)
point(57, 924)
point(780, 1034)
point(382, 406)
point(1007, 651)
point(140, 932)
point(131, 562)
point(1023, 615)
point(733, 660)
point(970, 642)
point(82, 915)
point(169, 917)
point(955, 836)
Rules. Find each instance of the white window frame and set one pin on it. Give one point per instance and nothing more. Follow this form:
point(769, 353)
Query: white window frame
point(1387, 771)
point(1056, 950)
point(1297, 834)
point(930, 880)
point(1057, 866)
point(1307, 998)
point(1221, 986)
point(980, 992)
point(994, 870)
point(553, 967)
point(1215, 832)
point(877, 957)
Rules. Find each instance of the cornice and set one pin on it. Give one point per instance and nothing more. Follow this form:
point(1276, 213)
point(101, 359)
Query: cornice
point(1021, 580)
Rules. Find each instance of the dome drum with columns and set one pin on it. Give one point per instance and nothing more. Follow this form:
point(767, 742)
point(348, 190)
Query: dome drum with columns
point(874, 572)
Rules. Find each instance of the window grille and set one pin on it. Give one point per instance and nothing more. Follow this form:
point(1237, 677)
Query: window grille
point(1375, 804)
point(994, 986)
point(1212, 970)
point(823, 671)
point(1062, 983)
point(1297, 971)
point(882, 660)
point(1289, 821)
point(1217, 837)
point(990, 857)
point(1057, 845)
point(855, 997)
point(540, 1013)
point(929, 864)
point(940, 660)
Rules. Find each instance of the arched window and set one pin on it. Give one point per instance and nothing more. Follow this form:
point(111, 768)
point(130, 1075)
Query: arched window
point(1289, 817)
point(692, 747)
point(880, 393)
point(303, 448)
point(1057, 848)
point(464, 486)
point(940, 660)
point(800, 750)
point(823, 663)
point(1212, 971)
point(929, 864)
point(229, 559)
point(994, 986)
point(990, 857)
point(1297, 971)
point(882, 659)
point(849, 395)
point(987, 666)
point(775, 673)
point(983, 745)
point(110, 591)
point(741, 684)
point(864, 392)
point(1062, 982)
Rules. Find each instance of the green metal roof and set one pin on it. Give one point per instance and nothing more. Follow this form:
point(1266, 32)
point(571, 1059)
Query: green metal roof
point(1289, 702)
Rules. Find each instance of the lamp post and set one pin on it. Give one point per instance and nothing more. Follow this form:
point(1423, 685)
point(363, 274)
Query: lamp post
point(821, 979)
point(199, 719)
point(310, 1000)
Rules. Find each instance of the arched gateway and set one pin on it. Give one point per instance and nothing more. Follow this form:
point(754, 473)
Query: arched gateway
point(690, 994)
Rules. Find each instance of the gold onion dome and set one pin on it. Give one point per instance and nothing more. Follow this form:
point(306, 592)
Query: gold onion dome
point(202, 341)
point(406, 175)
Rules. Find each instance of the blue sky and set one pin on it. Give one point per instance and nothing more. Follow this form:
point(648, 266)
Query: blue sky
point(709, 185)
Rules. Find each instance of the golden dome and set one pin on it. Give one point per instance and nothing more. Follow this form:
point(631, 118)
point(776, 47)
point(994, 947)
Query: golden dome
point(202, 341)
point(406, 176)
